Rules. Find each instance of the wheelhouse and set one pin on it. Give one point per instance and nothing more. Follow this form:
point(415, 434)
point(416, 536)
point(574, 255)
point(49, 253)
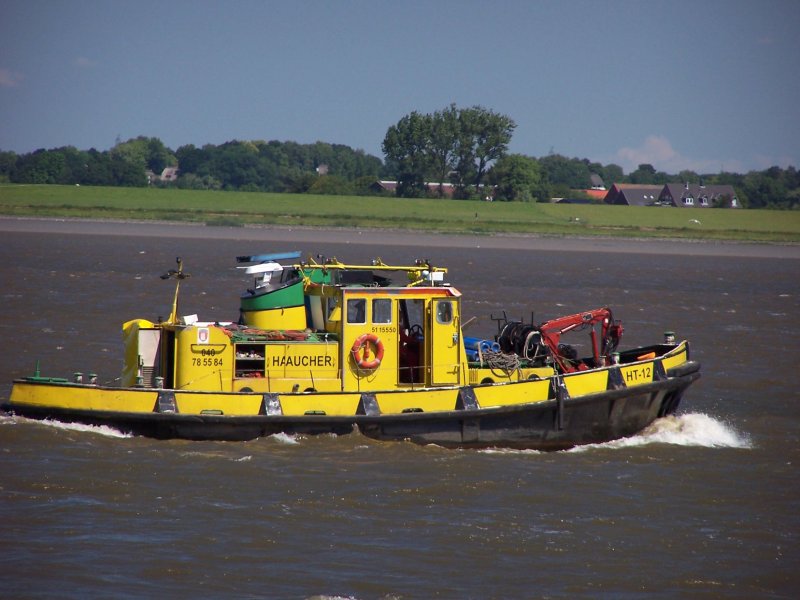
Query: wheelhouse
point(357, 333)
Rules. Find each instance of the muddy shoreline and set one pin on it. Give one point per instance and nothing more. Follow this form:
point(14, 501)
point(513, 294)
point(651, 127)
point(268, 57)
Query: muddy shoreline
point(310, 235)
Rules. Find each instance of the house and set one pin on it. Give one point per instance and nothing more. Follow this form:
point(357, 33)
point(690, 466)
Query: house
point(595, 194)
point(169, 174)
point(592, 196)
point(632, 194)
point(381, 186)
point(597, 182)
point(691, 195)
point(683, 195)
point(431, 188)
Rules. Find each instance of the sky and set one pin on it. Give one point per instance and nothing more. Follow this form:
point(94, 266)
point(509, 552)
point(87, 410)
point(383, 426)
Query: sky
point(703, 85)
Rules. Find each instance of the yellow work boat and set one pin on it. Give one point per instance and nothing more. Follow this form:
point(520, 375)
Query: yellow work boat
point(325, 347)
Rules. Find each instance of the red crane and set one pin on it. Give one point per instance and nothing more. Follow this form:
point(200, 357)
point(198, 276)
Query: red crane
point(610, 332)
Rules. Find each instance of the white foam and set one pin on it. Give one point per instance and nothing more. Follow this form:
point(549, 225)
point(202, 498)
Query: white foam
point(500, 450)
point(284, 438)
point(693, 429)
point(96, 429)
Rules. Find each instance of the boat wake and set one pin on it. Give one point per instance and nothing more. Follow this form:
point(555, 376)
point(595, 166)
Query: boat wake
point(103, 430)
point(284, 438)
point(693, 429)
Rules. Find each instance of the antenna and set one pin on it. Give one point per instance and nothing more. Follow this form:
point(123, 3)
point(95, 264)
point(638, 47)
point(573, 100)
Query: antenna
point(178, 275)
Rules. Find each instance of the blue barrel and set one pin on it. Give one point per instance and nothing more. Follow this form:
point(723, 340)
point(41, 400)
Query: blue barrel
point(475, 344)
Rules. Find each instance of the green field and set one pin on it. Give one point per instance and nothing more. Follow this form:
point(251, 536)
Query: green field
point(453, 216)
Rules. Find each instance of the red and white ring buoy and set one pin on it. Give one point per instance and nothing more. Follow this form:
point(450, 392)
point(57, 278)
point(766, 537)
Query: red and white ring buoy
point(361, 351)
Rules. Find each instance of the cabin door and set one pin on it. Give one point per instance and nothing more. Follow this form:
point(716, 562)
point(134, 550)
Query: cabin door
point(444, 341)
point(412, 352)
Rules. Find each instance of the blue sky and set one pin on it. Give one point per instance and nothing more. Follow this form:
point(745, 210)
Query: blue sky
point(707, 85)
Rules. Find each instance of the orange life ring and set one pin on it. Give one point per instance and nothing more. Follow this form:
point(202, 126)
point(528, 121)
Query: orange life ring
point(360, 351)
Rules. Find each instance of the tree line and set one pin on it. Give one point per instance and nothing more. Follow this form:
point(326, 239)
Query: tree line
point(466, 148)
point(236, 165)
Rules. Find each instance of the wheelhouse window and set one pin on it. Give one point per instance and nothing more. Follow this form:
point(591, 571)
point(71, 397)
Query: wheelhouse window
point(357, 310)
point(382, 310)
point(444, 312)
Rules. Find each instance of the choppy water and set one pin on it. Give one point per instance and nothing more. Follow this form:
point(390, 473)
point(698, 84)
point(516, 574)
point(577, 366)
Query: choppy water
point(701, 505)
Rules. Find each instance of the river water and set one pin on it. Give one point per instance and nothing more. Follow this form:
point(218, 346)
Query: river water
point(702, 505)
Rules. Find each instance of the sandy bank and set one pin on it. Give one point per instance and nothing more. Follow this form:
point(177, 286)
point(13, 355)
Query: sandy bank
point(309, 236)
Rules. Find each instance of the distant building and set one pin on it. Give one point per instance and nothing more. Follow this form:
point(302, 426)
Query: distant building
point(384, 186)
point(591, 196)
point(169, 174)
point(692, 195)
point(682, 195)
point(596, 195)
point(430, 188)
point(631, 194)
point(597, 182)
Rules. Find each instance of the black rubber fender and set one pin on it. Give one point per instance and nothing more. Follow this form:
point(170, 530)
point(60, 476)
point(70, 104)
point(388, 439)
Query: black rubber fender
point(684, 369)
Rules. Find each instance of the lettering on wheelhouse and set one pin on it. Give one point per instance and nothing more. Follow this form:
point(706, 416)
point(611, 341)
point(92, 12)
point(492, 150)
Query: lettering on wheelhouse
point(210, 355)
point(305, 360)
point(644, 373)
point(208, 349)
point(377, 329)
point(207, 361)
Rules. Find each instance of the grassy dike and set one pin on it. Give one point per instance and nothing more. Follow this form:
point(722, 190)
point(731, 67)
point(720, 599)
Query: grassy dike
point(452, 216)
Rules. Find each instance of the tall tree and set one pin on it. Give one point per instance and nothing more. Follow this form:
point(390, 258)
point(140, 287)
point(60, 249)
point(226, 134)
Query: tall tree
point(42, 166)
point(568, 173)
point(453, 144)
point(8, 162)
point(516, 177)
point(443, 133)
point(145, 153)
point(406, 150)
point(490, 133)
point(646, 174)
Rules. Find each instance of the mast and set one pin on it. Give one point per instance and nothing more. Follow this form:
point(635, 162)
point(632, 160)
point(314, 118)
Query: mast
point(178, 275)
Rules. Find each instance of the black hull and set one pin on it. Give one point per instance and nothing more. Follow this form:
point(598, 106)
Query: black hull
point(552, 425)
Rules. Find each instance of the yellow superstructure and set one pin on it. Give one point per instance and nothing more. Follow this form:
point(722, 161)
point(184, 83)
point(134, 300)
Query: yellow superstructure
point(348, 339)
point(415, 330)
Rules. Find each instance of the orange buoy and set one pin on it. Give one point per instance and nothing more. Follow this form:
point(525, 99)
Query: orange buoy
point(361, 351)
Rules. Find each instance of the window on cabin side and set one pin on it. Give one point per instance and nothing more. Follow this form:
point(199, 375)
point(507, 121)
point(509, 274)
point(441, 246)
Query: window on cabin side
point(382, 310)
point(444, 312)
point(357, 311)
